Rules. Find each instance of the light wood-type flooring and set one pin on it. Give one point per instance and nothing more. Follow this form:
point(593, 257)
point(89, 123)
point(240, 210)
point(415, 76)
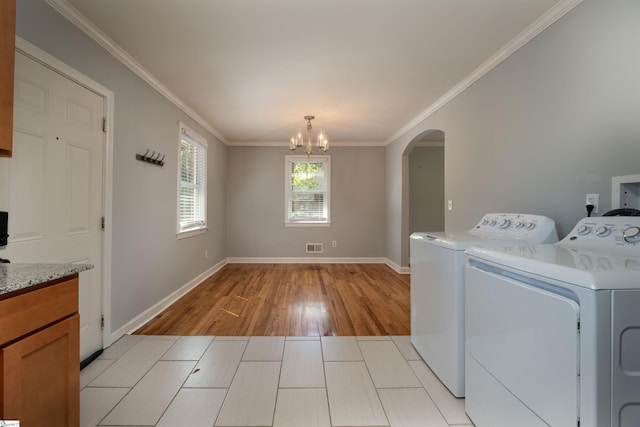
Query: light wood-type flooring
point(291, 300)
point(193, 381)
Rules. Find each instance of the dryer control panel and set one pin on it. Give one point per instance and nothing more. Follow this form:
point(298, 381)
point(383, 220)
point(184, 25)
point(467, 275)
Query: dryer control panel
point(605, 232)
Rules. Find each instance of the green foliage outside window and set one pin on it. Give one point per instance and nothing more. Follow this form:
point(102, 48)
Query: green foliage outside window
point(304, 175)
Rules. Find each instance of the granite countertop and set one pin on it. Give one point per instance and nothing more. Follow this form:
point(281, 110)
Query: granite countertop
point(15, 277)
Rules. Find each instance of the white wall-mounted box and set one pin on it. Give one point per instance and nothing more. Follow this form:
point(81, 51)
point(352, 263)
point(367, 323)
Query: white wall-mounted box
point(625, 192)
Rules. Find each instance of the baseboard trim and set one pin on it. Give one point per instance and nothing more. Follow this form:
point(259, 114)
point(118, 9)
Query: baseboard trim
point(304, 260)
point(319, 260)
point(159, 307)
point(398, 269)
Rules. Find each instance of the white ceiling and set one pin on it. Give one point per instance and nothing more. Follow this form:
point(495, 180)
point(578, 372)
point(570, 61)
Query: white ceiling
point(365, 68)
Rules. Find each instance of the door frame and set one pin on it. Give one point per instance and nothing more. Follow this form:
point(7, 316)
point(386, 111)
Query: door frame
point(60, 67)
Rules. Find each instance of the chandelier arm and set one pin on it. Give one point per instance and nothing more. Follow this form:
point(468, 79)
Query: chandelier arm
point(322, 143)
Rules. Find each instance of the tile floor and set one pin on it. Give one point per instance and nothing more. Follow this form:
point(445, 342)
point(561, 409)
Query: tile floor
point(265, 381)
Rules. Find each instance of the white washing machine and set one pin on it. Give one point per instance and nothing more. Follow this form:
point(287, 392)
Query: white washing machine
point(437, 286)
point(553, 331)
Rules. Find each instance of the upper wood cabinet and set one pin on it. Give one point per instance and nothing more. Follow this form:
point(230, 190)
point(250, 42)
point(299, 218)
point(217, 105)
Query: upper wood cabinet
point(7, 59)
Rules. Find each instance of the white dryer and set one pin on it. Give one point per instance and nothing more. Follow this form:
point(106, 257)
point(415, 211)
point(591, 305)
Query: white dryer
point(437, 286)
point(553, 331)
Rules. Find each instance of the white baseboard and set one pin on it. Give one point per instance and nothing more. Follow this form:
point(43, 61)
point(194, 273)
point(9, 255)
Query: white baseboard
point(159, 307)
point(397, 268)
point(304, 260)
point(319, 260)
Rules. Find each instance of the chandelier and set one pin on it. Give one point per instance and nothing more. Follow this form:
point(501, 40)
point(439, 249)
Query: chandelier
point(297, 143)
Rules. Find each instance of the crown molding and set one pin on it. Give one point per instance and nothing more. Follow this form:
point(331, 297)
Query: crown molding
point(79, 20)
point(538, 26)
point(542, 23)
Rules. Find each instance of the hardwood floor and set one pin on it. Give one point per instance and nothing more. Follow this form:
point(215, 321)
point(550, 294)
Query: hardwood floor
point(291, 300)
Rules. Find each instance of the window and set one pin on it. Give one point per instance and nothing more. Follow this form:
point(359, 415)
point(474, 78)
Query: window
point(307, 190)
point(192, 184)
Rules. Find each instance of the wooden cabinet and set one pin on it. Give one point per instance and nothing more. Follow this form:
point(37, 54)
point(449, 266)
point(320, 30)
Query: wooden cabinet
point(39, 356)
point(7, 59)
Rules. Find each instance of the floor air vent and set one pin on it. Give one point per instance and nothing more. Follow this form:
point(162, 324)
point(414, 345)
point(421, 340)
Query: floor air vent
point(314, 248)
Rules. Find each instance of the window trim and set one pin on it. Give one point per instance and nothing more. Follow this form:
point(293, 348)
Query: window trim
point(287, 183)
point(199, 140)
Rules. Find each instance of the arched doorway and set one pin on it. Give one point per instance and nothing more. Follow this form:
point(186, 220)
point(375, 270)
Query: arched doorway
point(423, 204)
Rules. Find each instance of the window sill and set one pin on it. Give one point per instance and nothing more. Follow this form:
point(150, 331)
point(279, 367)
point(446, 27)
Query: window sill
point(307, 224)
point(190, 233)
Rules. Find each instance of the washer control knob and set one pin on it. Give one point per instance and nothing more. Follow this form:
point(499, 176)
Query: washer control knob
point(519, 225)
point(485, 221)
point(603, 231)
point(584, 229)
point(505, 223)
point(493, 223)
point(531, 226)
point(631, 235)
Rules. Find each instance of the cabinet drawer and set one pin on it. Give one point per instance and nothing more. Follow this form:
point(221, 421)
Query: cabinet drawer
point(25, 313)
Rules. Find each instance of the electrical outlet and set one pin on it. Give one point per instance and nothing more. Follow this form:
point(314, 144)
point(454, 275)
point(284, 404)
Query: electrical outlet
point(334, 243)
point(593, 199)
point(450, 205)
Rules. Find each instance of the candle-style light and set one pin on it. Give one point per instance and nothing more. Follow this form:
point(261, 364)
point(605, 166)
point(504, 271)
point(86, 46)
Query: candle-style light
point(297, 142)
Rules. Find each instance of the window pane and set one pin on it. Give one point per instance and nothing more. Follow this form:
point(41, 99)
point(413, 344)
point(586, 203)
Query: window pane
point(192, 192)
point(307, 176)
point(307, 195)
point(308, 206)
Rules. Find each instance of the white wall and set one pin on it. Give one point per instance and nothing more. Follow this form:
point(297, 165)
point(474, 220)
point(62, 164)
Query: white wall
point(149, 263)
point(553, 122)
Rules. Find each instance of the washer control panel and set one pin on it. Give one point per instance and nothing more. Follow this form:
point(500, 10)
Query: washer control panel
point(606, 232)
point(534, 229)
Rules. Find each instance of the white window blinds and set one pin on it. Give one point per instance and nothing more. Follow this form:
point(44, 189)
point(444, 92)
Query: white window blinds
point(192, 195)
point(307, 189)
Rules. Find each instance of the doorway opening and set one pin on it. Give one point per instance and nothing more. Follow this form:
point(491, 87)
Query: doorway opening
point(423, 201)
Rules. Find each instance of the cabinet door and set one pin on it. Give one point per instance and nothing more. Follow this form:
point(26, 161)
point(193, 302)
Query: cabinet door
point(7, 55)
point(41, 377)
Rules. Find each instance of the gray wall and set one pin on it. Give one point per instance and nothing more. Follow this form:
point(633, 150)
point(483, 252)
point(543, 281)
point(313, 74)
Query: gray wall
point(149, 262)
point(256, 205)
point(426, 189)
point(553, 122)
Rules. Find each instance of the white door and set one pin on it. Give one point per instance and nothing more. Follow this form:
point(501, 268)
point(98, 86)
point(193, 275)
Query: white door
point(524, 338)
point(52, 187)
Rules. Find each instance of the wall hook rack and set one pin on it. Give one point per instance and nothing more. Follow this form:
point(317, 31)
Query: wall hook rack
point(152, 158)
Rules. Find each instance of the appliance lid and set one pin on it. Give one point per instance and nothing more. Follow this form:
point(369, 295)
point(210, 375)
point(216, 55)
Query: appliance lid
point(493, 229)
point(459, 240)
point(586, 268)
